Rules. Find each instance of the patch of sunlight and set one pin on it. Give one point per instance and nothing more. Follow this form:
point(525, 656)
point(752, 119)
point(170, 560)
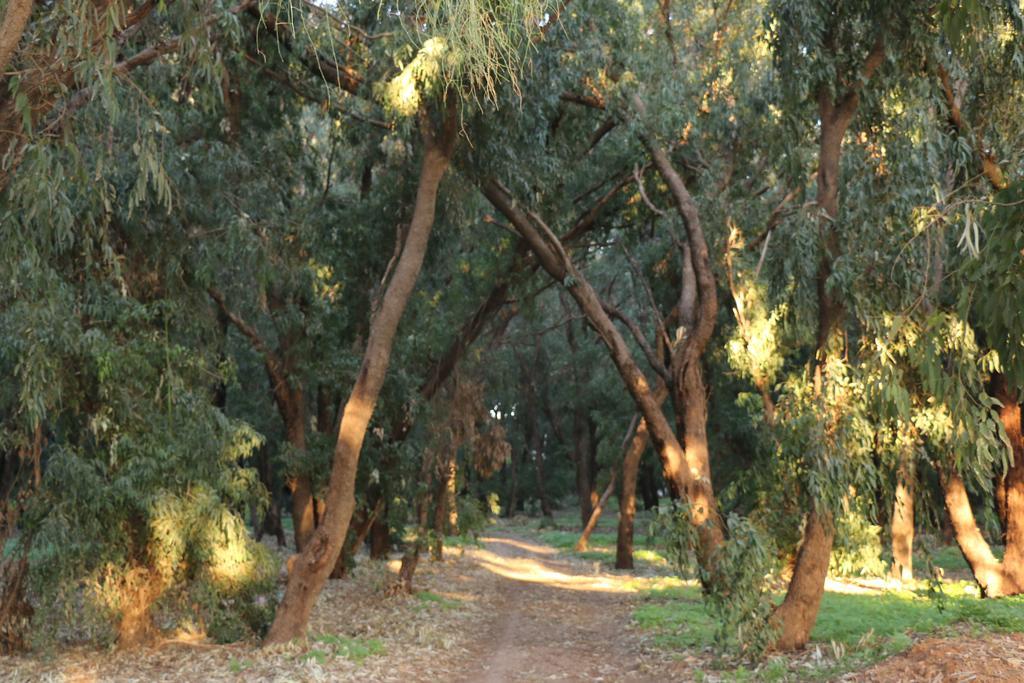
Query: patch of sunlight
point(531, 570)
point(522, 545)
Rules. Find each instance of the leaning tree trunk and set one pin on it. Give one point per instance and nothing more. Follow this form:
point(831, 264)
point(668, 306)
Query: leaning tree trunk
point(797, 613)
point(310, 571)
point(994, 578)
point(686, 363)
point(551, 254)
point(583, 541)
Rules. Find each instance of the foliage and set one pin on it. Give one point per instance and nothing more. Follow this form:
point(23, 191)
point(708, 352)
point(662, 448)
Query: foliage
point(736, 581)
point(858, 546)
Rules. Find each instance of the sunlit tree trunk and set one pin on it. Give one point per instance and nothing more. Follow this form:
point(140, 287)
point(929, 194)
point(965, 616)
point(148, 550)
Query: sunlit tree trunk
point(584, 540)
point(902, 523)
point(799, 610)
point(551, 254)
point(687, 373)
point(994, 578)
point(311, 568)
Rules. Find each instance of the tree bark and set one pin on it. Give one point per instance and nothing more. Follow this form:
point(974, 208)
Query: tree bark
point(300, 486)
point(380, 540)
point(687, 375)
point(290, 401)
point(511, 485)
point(556, 262)
point(987, 570)
point(310, 571)
point(627, 499)
point(533, 434)
point(13, 27)
point(902, 523)
point(581, 459)
point(994, 578)
point(648, 485)
point(595, 516)
point(799, 610)
point(1013, 422)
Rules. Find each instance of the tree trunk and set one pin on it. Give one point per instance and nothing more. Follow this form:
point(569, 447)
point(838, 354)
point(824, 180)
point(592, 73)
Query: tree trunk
point(511, 485)
point(380, 540)
point(995, 579)
point(902, 523)
point(302, 511)
point(649, 485)
point(581, 433)
point(581, 458)
point(686, 362)
point(533, 434)
point(584, 539)
point(988, 573)
point(444, 504)
point(12, 27)
point(999, 487)
point(271, 522)
point(556, 262)
point(538, 465)
point(627, 499)
point(799, 610)
point(290, 401)
point(141, 589)
point(309, 572)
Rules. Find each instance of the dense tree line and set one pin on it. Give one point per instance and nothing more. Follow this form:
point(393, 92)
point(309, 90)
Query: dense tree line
point(373, 269)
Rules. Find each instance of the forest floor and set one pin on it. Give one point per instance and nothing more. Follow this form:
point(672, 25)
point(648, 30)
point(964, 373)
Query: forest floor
point(520, 606)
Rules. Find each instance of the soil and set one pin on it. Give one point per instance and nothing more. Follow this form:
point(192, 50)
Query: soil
point(989, 658)
point(510, 610)
point(559, 619)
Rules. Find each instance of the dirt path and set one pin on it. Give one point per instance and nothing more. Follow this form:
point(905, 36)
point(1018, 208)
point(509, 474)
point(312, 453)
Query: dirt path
point(556, 619)
point(511, 610)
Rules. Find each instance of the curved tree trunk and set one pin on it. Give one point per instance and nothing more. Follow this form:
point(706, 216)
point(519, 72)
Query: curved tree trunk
point(310, 571)
point(691, 393)
point(994, 578)
point(595, 516)
point(987, 570)
point(799, 610)
point(556, 262)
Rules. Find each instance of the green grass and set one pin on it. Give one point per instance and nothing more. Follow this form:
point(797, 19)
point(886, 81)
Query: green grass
point(858, 628)
point(429, 598)
point(355, 649)
point(676, 617)
point(462, 541)
point(949, 559)
point(601, 547)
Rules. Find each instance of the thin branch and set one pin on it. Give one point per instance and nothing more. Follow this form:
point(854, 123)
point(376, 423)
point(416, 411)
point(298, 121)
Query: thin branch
point(634, 329)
